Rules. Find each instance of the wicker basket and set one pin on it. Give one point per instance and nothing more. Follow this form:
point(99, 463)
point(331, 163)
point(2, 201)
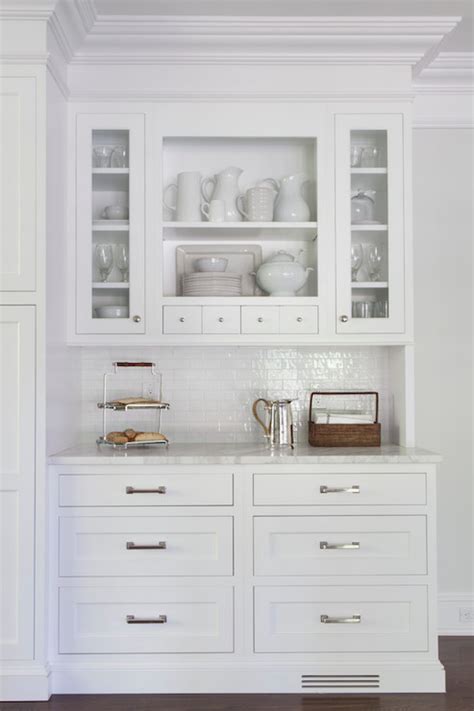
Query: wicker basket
point(340, 435)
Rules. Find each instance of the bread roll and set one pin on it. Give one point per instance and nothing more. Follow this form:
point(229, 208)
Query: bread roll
point(130, 434)
point(149, 436)
point(117, 438)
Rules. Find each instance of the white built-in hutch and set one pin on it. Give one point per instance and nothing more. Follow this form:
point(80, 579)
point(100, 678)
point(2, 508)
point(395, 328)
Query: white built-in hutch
point(206, 569)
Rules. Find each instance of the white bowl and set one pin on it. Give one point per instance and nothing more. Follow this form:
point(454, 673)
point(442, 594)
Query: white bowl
point(211, 264)
point(111, 312)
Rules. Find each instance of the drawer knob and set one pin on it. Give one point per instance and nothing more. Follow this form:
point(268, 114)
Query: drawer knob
point(160, 620)
point(137, 319)
point(343, 318)
point(131, 546)
point(299, 319)
point(181, 319)
point(326, 620)
point(158, 490)
point(325, 546)
point(221, 319)
point(355, 489)
point(260, 319)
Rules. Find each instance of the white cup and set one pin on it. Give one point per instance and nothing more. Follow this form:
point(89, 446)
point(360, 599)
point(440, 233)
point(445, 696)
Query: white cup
point(115, 212)
point(214, 210)
point(188, 197)
point(258, 203)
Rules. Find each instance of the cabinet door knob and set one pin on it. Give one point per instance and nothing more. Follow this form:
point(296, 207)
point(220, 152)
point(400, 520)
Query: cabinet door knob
point(220, 319)
point(299, 319)
point(181, 319)
point(137, 319)
point(344, 318)
point(260, 319)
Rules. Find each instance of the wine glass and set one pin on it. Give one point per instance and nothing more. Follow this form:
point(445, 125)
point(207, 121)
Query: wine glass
point(374, 262)
point(105, 260)
point(122, 260)
point(357, 255)
point(119, 157)
point(102, 156)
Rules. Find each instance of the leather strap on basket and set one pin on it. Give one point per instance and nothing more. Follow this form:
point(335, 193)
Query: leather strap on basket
point(339, 392)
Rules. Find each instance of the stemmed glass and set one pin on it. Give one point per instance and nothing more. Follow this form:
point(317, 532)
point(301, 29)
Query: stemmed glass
point(122, 260)
point(105, 260)
point(374, 262)
point(357, 255)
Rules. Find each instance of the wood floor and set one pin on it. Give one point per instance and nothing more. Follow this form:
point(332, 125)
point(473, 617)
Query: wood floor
point(457, 654)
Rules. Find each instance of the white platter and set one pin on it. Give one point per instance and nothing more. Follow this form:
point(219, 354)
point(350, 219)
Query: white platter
point(242, 259)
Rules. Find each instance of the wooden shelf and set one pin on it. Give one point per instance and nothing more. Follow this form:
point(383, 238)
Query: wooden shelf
point(303, 231)
point(110, 171)
point(110, 285)
point(368, 171)
point(371, 227)
point(369, 284)
point(240, 300)
point(105, 227)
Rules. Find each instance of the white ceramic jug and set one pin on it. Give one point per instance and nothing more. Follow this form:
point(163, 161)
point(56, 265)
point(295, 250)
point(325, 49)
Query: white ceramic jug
point(226, 188)
point(188, 197)
point(290, 206)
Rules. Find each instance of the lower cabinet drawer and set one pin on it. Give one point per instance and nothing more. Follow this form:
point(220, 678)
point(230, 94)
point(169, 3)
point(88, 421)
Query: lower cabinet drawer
point(145, 545)
point(182, 319)
point(260, 319)
point(145, 489)
point(356, 489)
point(340, 545)
point(220, 319)
point(341, 619)
point(145, 619)
point(299, 319)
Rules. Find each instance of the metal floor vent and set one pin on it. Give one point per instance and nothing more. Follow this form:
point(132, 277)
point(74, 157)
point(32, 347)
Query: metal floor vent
point(340, 681)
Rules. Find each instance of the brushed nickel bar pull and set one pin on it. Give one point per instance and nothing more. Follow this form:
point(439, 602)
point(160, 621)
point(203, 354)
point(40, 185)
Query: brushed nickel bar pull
point(158, 490)
point(326, 620)
point(354, 489)
point(160, 620)
point(325, 546)
point(131, 546)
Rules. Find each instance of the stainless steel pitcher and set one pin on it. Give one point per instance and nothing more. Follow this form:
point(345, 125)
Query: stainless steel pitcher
point(279, 430)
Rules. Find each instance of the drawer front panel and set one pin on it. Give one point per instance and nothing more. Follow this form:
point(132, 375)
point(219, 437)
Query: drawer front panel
point(94, 620)
point(339, 489)
point(299, 319)
point(340, 545)
point(358, 619)
point(220, 319)
point(182, 319)
point(114, 545)
point(146, 490)
point(260, 319)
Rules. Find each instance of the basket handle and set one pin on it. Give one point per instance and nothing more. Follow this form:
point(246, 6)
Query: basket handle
point(339, 392)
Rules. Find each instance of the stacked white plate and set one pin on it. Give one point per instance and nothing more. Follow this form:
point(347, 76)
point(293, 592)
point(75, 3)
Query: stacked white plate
point(212, 284)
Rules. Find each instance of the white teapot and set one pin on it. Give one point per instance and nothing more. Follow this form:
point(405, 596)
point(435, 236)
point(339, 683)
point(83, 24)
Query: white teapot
point(282, 275)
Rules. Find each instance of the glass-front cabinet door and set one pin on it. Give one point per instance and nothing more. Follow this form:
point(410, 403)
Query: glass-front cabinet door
point(110, 233)
point(369, 223)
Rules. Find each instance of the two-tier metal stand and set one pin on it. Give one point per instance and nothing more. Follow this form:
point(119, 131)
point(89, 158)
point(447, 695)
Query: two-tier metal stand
point(147, 397)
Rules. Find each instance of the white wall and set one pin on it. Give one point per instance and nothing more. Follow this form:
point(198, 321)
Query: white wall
point(443, 229)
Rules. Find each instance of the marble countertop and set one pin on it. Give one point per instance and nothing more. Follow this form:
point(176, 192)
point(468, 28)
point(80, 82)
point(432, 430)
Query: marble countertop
point(244, 453)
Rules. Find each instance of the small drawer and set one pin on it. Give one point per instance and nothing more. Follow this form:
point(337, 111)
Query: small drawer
point(145, 545)
point(142, 619)
point(220, 319)
point(182, 319)
point(299, 319)
point(307, 619)
point(340, 545)
point(339, 489)
point(146, 489)
point(260, 319)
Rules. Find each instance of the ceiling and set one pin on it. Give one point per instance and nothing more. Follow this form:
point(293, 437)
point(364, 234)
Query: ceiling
point(459, 40)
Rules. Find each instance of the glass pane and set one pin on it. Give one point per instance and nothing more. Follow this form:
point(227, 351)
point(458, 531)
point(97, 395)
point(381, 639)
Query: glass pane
point(369, 224)
point(110, 224)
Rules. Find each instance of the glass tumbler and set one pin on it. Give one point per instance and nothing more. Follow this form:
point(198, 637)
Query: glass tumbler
point(119, 157)
point(102, 156)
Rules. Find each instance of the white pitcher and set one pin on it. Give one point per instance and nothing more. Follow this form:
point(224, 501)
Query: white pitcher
point(188, 197)
point(226, 188)
point(290, 206)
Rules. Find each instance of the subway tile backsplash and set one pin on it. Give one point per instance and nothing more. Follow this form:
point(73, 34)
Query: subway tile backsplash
point(211, 390)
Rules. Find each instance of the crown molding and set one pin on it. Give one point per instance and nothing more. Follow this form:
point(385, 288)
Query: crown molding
point(38, 58)
point(448, 73)
point(26, 9)
point(217, 40)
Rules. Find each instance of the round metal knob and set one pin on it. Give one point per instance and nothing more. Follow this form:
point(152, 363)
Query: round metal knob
point(137, 319)
point(299, 319)
point(260, 319)
point(344, 318)
point(220, 319)
point(181, 319)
